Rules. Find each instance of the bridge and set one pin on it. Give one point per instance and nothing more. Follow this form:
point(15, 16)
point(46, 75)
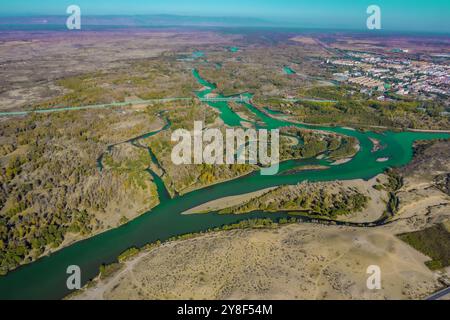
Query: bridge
point(229, 99)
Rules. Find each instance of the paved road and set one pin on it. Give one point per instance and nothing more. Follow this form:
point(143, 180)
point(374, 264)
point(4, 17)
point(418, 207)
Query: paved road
point(439, 295)
point(118, 104)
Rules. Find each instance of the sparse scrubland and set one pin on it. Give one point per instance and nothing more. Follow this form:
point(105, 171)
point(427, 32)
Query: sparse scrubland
point(425, 192)
point(148, 79)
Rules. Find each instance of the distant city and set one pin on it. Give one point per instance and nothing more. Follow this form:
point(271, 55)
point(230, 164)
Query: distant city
point(401, 76)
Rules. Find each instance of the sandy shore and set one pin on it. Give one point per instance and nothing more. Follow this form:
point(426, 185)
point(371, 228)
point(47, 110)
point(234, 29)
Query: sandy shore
point(373, 211)
point(342, 161)
point(227, 202)
point(376, 144)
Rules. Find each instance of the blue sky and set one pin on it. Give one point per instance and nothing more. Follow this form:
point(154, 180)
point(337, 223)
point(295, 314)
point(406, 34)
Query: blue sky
point(431, 15)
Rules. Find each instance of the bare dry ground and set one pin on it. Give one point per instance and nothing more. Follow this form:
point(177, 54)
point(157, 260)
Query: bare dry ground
point(360, 42)
point(294, 262)
point(423, 201)
point(31, 62)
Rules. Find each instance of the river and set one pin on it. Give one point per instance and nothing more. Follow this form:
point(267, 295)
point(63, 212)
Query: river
point(46, 278)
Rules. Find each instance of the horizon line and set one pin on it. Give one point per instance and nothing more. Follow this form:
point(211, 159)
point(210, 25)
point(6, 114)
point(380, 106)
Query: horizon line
point(265, 22)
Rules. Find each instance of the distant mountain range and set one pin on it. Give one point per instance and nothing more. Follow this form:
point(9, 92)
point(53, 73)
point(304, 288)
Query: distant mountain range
point(101, 22)
point(141, 21)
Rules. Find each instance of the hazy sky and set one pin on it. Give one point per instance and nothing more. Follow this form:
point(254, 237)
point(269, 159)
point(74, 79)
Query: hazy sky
point(430, 15)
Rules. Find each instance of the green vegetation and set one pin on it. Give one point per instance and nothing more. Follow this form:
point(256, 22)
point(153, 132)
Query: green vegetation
point(108, 270)
point(393, 185)
point(353, 109)
point(128, 254)
point(6, 149)
point(433, 242)
point(132, 162)
point(346, 148)
point(184, 178)
point(319, 200)
point(254, 224)
point(51, 186)
point(312, 144)
point(52, 191)
point(337, 93)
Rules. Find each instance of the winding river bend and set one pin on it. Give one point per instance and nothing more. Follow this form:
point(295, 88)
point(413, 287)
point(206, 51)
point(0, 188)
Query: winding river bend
point(46, 278)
